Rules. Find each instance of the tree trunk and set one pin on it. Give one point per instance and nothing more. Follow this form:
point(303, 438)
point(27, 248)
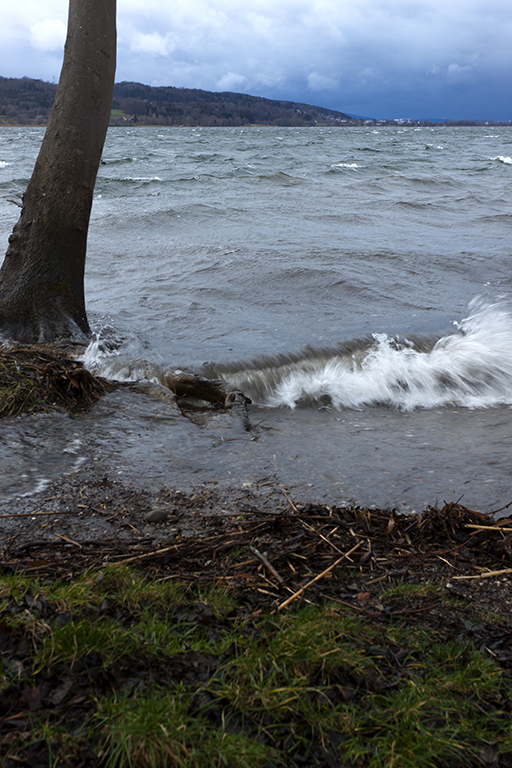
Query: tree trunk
point(42, 277)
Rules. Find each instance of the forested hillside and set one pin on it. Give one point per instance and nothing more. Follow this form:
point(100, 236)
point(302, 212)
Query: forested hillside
point(28, 102)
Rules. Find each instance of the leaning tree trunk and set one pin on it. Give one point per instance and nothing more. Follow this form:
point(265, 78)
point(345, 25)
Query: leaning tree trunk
point(42, 277)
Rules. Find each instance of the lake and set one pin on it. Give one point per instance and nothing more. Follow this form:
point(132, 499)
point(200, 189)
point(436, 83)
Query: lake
point(354, 282)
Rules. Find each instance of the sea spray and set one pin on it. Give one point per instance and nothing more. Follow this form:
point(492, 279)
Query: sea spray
point(471, 367)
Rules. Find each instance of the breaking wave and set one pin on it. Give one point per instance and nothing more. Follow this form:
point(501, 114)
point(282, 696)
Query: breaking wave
point(503, 159)
point(471, 367)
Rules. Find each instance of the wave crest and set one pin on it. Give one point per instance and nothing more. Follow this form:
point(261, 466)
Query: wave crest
point(471, 367)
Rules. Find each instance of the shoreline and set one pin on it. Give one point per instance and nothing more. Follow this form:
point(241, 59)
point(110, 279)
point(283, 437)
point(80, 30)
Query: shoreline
point(355, 610)
point(91, 507)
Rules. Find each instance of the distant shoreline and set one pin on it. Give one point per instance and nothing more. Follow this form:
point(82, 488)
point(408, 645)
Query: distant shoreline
point(27, 103)
point(365, 123)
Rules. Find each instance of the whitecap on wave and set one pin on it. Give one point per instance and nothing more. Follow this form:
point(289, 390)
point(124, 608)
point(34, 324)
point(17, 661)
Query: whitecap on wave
point(141, 178)
point(345, 165)
point(471, 367)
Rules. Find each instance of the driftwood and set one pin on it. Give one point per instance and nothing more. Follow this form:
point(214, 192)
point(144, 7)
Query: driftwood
point(182, 386)
point(36, 378)
point(216, 391)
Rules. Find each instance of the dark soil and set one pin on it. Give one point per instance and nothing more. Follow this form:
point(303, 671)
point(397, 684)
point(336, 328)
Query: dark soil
point(265, 548)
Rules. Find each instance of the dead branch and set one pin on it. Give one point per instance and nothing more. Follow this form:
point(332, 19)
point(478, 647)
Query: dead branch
point(215, 391)
point(267, 564)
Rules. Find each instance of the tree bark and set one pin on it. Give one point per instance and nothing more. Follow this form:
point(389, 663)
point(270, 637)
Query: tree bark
point(42, 277)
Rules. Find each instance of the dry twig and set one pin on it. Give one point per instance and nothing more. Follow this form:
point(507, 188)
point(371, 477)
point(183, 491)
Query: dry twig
point(496, 527)
point(268, 565)
point(487, 575)
point(320, 576)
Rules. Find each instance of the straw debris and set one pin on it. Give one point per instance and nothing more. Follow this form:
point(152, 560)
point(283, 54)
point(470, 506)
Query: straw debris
point(35, 379)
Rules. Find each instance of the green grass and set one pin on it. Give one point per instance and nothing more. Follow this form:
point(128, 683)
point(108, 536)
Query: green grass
point(168, 674)
point(151, 730)
point(411, 591)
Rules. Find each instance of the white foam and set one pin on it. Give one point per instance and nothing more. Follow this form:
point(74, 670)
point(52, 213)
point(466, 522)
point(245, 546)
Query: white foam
point(142, 178)
point(470, 368)
point(4, 164)
point(95, 352)
point(73, 447)
point(503, 159)
point(104, 358)
point(40, 486)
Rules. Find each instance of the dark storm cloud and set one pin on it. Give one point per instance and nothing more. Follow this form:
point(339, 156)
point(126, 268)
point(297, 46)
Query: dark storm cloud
point(382, 58)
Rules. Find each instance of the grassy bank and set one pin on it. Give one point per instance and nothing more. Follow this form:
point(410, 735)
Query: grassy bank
point(116, 667)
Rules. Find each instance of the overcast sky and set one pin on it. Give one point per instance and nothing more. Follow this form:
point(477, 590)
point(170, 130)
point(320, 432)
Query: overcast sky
point(373, 58)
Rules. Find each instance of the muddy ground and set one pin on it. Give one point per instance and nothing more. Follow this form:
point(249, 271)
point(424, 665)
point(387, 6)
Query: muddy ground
point(90, 518)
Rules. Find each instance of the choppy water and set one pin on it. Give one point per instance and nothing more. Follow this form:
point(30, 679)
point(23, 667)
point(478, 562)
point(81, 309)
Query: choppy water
point(354, 282)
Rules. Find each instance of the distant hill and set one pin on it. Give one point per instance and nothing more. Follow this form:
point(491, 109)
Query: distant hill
point(25, 101)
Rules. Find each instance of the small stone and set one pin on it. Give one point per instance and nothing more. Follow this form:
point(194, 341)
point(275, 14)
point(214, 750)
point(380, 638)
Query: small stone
point(156, 516)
